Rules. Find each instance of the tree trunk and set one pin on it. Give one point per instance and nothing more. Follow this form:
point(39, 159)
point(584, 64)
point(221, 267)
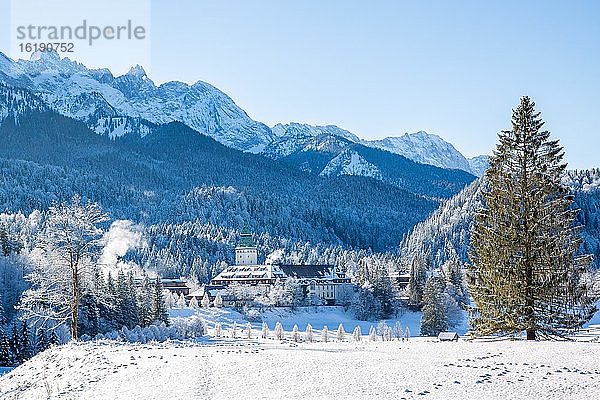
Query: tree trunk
point(75, 303)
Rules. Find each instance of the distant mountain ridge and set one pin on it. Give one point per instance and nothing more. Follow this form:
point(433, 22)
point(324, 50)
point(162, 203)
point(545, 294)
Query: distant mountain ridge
point(424, 148)
point(132, 103)
point(96, 97)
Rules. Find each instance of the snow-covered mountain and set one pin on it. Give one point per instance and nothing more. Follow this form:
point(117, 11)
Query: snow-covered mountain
point(97, 97)
point(116, 106)
point(479, 165)
point(297, 138)
point(424, 148)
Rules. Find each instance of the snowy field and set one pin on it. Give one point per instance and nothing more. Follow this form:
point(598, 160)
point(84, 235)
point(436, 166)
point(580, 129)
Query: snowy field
point(316, 316)
point(255, 368)
point(270, 369)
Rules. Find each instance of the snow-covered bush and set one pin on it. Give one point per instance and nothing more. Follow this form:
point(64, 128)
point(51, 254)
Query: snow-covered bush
point(194, 303)
point(382, 329)
point(308, 335)
point(181, 303)
point(341, 334)
point(325, 334)
point(189, 328)
point(205, 301)
point(248, 330)
point(398, 332)
point(218, 301)
point(357, 334)
point(372, 334)
point(278, 331)
point(265, 331)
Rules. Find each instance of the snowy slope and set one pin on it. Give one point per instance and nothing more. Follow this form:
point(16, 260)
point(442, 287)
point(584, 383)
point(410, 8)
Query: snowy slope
point(297, 138)
point(351, 163)
point(479, 165)
point(297, 130)
point(424, 148)
point(15, 102)
point(90, 95)
point(267, 369)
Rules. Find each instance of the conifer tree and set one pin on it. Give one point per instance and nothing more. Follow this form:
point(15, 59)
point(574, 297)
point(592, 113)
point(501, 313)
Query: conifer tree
point(308, 334)
point(15, 345)
point(325, 334)
point(218, 301)
point(248, 330)
point(341, 333)
point(54, 339)
point(295, 336)
point(372, 334)
point(194, 302)
point(357, 334)
point(26, 348)
point(526, 274)
point(416, 283)
point(205, 301)
point(5, 355)
point(4, 242)
point(398, 330)
point(159, 309)
point(265, 330)
point(278, 331)
point(145, 297)
point(434, 319)
point(181, 303)
point(41, 342)
point(2, 315)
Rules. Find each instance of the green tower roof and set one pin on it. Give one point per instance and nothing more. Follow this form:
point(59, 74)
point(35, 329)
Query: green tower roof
point(246, 238)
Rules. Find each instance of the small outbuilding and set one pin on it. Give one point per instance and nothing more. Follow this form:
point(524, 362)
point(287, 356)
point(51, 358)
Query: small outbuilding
point(448, 337)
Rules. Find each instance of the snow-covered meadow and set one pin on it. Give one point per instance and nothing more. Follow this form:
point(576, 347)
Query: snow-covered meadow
point(271, 369)
point(227, 367)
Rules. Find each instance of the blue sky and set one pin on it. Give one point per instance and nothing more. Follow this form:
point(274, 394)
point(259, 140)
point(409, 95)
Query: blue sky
point(381, 68)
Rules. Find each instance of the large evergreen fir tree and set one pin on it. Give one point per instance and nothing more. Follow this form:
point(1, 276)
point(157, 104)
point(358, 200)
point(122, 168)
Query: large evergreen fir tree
point(525, 273)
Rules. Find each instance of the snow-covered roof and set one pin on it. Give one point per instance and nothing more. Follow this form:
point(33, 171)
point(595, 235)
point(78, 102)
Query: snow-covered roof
point(250, 272)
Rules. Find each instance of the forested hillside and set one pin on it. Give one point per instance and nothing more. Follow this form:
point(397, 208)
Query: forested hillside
point(446, 232)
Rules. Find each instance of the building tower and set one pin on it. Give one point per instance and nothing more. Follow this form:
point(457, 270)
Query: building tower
point(245, 251)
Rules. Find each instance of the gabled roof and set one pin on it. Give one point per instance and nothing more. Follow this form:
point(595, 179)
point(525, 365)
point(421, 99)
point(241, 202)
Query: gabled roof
point(307, 271)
